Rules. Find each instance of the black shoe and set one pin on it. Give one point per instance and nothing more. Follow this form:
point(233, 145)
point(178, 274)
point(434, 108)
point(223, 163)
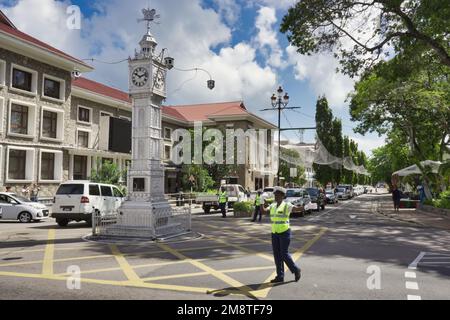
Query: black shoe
point(277, 280)
point(298, 275)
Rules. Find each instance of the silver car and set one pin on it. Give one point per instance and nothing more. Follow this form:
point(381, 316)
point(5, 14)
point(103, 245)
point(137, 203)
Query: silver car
point(15, 207)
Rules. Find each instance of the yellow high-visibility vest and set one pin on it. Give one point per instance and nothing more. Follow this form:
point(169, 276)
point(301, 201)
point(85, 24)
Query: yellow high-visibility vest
point(223, 197)
point(258, 200)
point(280, 218)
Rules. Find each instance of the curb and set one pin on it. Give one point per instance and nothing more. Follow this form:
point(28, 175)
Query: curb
point(401, 220)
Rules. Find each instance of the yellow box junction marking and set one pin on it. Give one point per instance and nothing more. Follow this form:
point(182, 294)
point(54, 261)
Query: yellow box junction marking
point(123, 263)
point(47, 266)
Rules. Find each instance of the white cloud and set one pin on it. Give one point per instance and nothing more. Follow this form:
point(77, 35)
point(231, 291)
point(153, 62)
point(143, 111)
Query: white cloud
point(191, 32)
point(229, 10)
point(319, 71)
point(266, 40)
point(369, 142)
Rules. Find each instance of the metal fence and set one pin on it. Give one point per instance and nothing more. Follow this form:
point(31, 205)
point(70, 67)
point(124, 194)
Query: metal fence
point(162, 221)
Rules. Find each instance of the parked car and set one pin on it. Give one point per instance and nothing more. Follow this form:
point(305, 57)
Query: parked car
point(267, 194)
point(317, 198)
point(15, 207)
point(235, 193)
point(331, 196)
point(343, 194)
point(349, 189)
point(301, 201)
point(78, 200)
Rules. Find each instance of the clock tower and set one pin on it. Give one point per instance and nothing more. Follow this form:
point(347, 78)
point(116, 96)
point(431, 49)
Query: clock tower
point(146, 205)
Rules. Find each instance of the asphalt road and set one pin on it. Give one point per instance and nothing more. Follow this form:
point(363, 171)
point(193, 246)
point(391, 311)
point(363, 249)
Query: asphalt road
point(347, 251)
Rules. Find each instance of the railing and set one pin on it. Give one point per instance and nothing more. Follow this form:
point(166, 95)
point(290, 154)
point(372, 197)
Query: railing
point(162, 220)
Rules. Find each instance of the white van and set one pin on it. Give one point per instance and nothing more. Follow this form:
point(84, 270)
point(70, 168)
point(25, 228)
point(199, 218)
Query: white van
point(78, 200)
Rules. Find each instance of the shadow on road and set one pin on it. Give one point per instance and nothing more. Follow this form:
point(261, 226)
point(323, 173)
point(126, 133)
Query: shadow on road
point(220, 293)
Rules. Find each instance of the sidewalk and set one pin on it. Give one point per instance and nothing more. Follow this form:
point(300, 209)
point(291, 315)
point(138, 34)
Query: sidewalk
point(420, 217)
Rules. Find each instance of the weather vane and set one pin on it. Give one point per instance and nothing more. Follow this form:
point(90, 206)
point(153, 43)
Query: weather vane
point(149, 16)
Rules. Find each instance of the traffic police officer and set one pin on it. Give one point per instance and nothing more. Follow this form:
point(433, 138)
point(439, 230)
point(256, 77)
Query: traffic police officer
point(281, 235)
point(257, 207)
point(223, 202)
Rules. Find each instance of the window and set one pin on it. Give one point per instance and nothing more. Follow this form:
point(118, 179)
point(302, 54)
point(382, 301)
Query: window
point(2, 103)
point(19, 119)
point(83, 139)
point(2, 72)
point(94, 190)
point(48, 166)
point(53, 88)
point(117, 193)
point(20, 164)
point(17, 160)
point(167, 133)
point(106, 191)
point(22, 119)
point(84, 115)
point(80, 167)
point(139, 185)
point(52, 124)
point(167, 152)
point(22, 80)
point(49, 124)
point(72, 189)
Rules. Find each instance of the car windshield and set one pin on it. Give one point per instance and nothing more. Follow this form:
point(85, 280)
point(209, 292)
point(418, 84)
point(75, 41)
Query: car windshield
point(293, 194)
point(20, 198)
point(330, 192)
point(341, 190)
point(313, 192)
point(268, 190)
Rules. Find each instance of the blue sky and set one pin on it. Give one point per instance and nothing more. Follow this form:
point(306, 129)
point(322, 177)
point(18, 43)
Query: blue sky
point(237, 41)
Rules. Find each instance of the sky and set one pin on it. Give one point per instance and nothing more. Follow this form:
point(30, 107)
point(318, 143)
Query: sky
point(237, 41)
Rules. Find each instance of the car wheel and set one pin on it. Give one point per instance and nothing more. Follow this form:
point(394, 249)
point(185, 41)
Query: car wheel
point(62, 222)
point(25, 217)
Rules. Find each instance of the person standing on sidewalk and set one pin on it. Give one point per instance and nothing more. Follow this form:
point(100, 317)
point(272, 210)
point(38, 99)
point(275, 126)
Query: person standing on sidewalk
point(257, 207)
point(281, 235)
point(396, 196)
point(223, 199)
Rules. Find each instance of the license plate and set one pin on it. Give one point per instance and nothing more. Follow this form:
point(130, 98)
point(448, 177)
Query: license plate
point(67, 209)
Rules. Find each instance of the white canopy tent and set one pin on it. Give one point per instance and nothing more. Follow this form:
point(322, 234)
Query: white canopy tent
point(414, 169)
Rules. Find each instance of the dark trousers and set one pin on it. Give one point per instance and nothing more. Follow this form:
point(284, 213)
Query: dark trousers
point(280, 246)
point(223, 209)
point(257, 213)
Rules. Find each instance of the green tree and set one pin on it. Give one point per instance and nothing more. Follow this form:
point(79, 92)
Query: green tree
point(109, 173)
point(338, 147)
point(202, 181)
point(324, 125)
point(402, 25)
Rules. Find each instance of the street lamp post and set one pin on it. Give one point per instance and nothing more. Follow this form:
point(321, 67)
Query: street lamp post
point(279, 102)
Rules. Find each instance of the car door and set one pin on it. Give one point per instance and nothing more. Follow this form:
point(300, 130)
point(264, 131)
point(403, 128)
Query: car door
point(242, 195)
point(118, 198)
point(107, 199)
point(8, 207)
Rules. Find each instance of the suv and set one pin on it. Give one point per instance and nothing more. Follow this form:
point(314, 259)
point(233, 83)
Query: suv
point(78, 200)
point(317, 197)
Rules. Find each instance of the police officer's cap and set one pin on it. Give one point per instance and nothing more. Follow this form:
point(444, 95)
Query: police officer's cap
point(280, 190)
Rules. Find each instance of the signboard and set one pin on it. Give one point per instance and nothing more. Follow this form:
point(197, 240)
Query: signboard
point(294, 172)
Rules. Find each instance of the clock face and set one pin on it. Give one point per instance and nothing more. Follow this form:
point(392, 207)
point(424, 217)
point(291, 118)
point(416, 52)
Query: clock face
point(139, 77)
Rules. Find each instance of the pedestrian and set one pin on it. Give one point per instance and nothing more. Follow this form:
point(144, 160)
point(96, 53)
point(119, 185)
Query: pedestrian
point(223, 199)
point(8, 189)
point(34, 195)
point(25, 191)
point(257, 207)
point(280, 211)
point(396, 195)
point(422, 196)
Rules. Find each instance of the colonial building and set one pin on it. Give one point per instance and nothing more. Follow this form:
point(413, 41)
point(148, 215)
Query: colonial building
point(57, 126)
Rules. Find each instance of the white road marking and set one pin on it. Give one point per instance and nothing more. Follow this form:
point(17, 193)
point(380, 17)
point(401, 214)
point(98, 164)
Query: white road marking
point(330, 211)
point(412, 285)
point(411, 275)
point(413, 265)
point(412, 297)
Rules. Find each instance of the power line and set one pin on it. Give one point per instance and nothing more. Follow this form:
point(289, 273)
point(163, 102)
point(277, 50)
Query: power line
point(105, 62)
